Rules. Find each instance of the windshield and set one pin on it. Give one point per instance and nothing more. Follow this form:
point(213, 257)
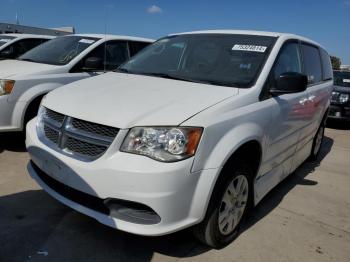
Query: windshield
point(341, 78)
point(5, 39)
point(217, 59)
point(59, 51)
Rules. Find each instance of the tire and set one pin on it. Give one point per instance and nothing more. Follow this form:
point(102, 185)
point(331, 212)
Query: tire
point(31, 112)
point(215, 231)
point(317, 141)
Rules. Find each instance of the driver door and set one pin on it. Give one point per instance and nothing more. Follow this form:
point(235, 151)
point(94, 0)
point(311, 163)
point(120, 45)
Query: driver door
point(288, 115)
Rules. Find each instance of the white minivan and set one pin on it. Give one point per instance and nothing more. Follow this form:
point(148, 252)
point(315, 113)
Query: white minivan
point(23, 82)
point(192, 131)
point(14, 45)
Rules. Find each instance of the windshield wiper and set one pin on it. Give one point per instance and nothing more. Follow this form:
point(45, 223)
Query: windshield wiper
point(122, 70)
point(169, 76)
point(27, 59)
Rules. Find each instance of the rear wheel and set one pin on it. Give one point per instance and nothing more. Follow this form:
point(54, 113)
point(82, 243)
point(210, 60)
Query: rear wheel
point(317, 142)
point(230, 202)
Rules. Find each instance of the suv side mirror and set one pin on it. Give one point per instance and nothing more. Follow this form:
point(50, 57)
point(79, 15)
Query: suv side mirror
point(7, 53)
point(92, 63)
point(290, 82)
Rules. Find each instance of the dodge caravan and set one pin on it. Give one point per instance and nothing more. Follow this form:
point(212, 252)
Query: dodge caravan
point(193, 131)
point(23, 82)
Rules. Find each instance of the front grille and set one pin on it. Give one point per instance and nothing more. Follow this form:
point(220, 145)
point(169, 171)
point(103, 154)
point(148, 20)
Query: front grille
point(54, 116)
point(84, 148)
point(51, 134)
point(82, 139)
point(94, 128)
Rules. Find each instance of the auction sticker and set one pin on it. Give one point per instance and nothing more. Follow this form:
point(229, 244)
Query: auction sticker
point(250, 48)
point(86, 41)
point(346, 80)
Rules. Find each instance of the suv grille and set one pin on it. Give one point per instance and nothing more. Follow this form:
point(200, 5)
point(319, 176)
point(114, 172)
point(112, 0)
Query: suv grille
point(82, 139)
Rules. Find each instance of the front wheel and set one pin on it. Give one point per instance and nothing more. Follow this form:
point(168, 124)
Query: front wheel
point(230, 202)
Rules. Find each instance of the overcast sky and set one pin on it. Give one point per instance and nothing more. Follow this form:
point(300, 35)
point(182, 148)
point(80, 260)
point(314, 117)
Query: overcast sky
point(325, 21)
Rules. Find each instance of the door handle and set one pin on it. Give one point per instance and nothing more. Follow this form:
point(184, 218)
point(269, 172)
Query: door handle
point(303, 101)
point(312, 98)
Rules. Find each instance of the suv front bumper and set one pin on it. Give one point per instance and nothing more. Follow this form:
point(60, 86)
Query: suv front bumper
point(176, 195)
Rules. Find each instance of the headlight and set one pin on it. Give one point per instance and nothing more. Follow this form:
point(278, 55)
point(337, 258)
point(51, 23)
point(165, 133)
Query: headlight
point(166, 144)
point(6, 86)
point(40, 115)
point(343, 98)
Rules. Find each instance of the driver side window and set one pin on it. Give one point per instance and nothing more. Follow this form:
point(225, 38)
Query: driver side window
point(289, 60)
point(112, 54)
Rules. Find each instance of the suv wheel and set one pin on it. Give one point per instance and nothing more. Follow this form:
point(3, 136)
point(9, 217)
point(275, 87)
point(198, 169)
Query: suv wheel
point(317, 142)
point(227, 208)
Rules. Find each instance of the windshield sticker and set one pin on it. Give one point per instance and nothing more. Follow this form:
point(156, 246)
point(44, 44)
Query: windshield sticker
point(346, 80)
point(5, 40)
point(250, 48)
point(86, 41)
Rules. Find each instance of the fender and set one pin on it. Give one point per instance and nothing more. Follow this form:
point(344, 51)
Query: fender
point(27, 97)
point(219, 151)
point(217, 158)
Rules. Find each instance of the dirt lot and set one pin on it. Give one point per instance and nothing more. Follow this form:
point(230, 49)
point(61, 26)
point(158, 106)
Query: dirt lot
point(305, 218)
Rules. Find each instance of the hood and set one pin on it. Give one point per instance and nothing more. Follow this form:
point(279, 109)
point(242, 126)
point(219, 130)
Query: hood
point(343, 89)
point(126, 100)
point(10, 68)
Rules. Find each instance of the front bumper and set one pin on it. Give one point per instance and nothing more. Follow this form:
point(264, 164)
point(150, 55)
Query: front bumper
point(339, 111)
point(178, 196)
point(7, 115)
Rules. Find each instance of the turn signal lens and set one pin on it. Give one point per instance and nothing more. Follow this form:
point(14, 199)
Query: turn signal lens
point(6, 86)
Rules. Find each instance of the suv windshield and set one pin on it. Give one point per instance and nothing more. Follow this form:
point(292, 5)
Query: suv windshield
point(341, 78)
point(59, 51)
point(5, 39)
point(217, 59)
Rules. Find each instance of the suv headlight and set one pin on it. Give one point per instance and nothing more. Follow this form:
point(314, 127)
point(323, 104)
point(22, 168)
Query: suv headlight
point(166, 144)
point(343, 98)
point(6, 86)
point(40, 116)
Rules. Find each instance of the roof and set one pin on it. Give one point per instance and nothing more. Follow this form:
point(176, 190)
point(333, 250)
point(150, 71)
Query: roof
point(29, 36)
point(116, 37)
point(250, 32)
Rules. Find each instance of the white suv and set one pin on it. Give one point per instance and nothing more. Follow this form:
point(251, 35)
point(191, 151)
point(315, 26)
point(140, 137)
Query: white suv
point(192, 131)
point(23, 82)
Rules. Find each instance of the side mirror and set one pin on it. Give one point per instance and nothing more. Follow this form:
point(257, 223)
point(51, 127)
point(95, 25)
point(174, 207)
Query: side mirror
point(290, 82)
point(7, 53)
point(93, 63)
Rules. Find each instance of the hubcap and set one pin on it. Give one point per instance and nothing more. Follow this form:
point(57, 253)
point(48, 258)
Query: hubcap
point(318, 141)
point(233, 204)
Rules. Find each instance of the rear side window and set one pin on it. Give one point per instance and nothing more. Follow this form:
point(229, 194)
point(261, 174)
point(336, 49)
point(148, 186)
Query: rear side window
point(312, 63)
point(326, 65)
point(289, 60)
point(135, 47)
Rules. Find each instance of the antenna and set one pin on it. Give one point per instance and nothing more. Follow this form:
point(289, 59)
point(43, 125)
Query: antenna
point(17, 19)
point(105, 49)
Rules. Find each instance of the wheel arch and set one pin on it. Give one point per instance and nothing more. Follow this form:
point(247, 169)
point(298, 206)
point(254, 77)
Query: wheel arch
point(27, 99)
